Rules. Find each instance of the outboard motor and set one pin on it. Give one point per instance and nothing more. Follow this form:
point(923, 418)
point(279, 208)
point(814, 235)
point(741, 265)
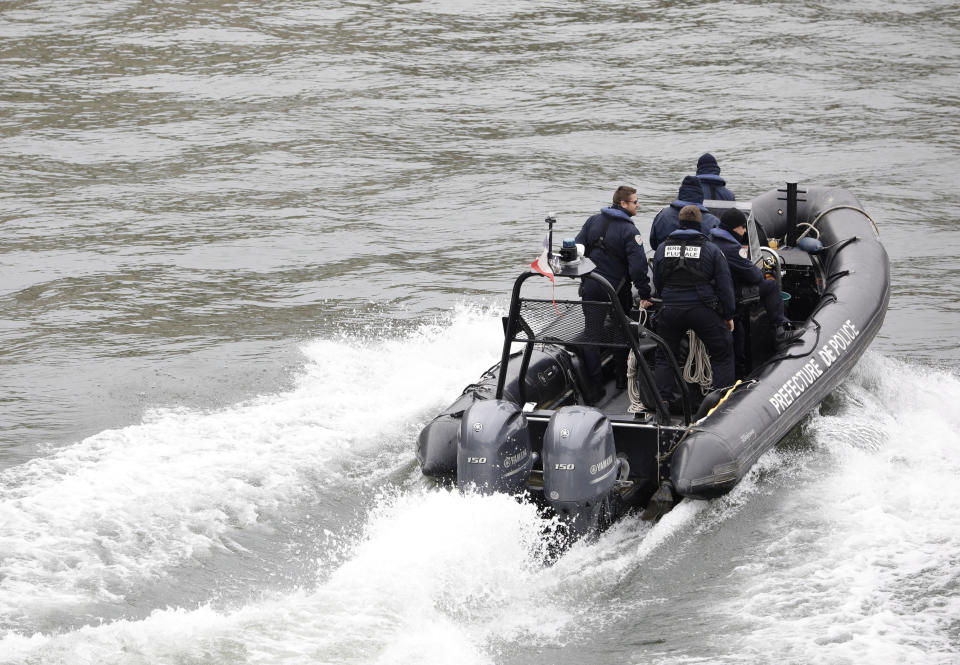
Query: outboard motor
point(550, 378)
point(494, 453)
point(580, 466)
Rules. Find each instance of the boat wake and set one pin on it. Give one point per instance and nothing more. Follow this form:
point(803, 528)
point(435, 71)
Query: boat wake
point(840, 543)
point(87, 529)
point(863, 562)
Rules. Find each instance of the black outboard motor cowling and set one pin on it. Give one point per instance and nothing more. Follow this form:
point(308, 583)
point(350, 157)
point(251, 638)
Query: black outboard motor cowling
point(580, 467)
point(494, 453)
point(549, 377)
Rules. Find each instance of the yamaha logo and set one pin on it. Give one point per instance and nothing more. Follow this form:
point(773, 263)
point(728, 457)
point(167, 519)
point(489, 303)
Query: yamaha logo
point(477, 427)
point(564, 433)
point(513, 460)
point(600, 466)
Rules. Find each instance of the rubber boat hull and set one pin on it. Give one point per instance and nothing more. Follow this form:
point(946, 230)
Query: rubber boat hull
point(718, 451)
point(542, 424)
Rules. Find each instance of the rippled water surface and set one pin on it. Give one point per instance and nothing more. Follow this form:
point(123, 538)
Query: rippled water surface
point(249, 248)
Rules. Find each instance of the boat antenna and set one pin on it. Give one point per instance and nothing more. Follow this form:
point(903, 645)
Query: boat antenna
point(550, 220)
point(792, 199)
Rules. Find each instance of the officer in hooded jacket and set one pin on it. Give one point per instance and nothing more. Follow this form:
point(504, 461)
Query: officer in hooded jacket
point(708, 173)
point(667, 220)
point(613, 243)
point(693, 280)
point(728, 237)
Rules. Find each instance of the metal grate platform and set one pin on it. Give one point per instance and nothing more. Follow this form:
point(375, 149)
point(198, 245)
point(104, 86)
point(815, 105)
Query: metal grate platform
point(563, 322)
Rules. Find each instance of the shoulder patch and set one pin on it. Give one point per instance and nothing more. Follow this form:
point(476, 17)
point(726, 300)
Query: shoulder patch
point(639, 240)
point(743, 253)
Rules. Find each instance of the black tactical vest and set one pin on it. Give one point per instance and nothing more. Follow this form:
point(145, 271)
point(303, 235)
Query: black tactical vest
point(681, 262)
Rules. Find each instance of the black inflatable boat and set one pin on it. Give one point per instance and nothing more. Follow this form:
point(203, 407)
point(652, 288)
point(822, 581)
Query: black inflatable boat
point(528, 426)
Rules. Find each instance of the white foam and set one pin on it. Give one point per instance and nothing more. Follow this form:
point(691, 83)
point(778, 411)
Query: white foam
point(95, 520)
point(856, 562)
point(435, 578)
point(865, 567)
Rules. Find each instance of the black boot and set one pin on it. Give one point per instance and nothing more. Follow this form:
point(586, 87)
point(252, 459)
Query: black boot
point(785, 334)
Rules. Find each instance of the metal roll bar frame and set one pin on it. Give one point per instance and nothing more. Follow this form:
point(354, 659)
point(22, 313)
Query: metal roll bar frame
point(516, 324)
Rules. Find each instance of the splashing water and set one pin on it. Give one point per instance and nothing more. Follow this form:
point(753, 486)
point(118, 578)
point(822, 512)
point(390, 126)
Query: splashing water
point(839, 548)
point(91, 522)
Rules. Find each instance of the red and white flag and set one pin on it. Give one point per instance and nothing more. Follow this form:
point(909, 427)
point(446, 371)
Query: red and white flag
point(542, 266)
point(542, 263)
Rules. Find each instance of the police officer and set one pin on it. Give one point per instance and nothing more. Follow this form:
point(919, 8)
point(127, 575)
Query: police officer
point(667, 220)
point(713, 186)
point(613, 243)
point(729, 238)
point(693, 279)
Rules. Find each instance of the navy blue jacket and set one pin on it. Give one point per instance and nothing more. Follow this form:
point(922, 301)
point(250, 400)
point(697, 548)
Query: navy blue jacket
point(668, 220)
point(744, 273)
point(714, 266)
point(624, 257)
point(714, 187)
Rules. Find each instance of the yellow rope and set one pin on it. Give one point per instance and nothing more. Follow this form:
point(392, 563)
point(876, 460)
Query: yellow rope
point(724, 398)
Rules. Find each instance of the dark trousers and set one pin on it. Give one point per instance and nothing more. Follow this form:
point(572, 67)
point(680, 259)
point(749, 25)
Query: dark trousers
point(594, 318)
point(772, 301)
point(740, 344)
point(672, 325)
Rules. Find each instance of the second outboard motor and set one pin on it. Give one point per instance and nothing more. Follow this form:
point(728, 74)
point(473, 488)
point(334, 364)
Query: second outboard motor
point(494, 453)
point(580, 466)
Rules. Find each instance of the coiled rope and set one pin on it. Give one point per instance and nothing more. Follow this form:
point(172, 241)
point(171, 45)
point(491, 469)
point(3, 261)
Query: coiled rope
point(636, 404)
point(633, 392)
point(697, 368)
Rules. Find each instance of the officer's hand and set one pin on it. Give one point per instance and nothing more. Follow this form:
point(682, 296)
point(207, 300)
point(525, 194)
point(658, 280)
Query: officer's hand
point(730, 324)
point(645, 304)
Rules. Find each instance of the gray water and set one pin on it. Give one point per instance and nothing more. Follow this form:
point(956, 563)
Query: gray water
point(249, 249)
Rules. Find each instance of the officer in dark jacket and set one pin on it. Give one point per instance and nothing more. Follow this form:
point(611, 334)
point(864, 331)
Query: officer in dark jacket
point(693, 279)
point(613, 243)
point(728, 237)
point(708, 173)
point(667, 221)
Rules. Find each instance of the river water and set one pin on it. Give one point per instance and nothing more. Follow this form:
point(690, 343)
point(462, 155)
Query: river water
point(248, 249)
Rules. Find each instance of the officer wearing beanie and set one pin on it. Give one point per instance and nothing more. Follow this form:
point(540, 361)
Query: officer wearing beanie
point(614, 244)
point(693, 279)
point(729, 238)
point(667, 220)
point(708, 173)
